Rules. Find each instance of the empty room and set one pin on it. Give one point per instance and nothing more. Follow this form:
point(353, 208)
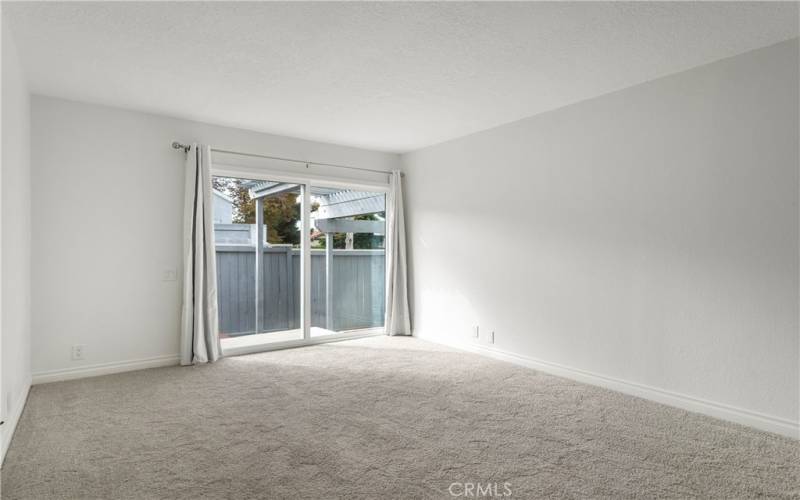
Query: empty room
point(400, 250)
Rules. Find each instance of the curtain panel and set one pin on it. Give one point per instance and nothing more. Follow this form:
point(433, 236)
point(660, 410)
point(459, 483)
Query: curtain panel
point(199, 322)
point(398, 319)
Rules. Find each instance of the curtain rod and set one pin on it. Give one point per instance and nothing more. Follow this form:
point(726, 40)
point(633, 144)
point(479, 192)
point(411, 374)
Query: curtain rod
point(185, 148)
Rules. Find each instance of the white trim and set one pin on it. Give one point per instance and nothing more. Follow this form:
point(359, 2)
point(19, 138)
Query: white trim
point(10, 425)
point(382, 187)
point(305, 267)
point(722, 411)
point(289, 344)
point(104, 369)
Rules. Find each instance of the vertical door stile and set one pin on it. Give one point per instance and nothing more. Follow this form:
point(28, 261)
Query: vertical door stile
point(305, 269)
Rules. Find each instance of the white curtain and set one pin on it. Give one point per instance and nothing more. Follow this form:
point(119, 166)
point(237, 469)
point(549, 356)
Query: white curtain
point(398, 320)
point(199, 322)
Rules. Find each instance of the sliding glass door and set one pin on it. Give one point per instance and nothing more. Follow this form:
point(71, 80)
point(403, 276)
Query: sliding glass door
point(297, 262)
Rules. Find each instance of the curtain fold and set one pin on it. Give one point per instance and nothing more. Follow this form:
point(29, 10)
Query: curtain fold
point(199, 322)
point(397, 319)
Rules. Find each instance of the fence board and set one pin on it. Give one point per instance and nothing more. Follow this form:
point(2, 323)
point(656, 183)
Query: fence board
point(358, 289)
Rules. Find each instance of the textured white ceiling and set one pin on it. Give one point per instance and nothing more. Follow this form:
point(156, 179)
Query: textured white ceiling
point(387, 76)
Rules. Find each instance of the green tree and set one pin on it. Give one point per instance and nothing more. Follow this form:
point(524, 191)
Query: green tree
point(281, 212)
point(222, 184)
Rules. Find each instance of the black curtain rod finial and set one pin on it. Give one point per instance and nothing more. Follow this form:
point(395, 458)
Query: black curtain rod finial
point(178, 145)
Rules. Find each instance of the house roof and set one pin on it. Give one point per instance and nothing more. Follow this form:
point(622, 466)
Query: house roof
point(223, 196)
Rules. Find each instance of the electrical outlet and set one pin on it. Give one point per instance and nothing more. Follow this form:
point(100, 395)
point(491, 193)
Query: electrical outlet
point(170, 275)
point(491, 337)
point(78, 352)
point(475, 331)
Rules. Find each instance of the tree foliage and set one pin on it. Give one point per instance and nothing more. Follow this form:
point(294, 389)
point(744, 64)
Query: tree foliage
point(282, 216)
point(281, 212)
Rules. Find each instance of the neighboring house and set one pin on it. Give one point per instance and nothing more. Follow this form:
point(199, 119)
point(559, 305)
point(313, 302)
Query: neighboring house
point(223, 208)
point(225, 231)
point(236, 234)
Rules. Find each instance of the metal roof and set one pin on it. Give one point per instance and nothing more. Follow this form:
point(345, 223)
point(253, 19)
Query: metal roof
point(333, 202)
point(347, 203)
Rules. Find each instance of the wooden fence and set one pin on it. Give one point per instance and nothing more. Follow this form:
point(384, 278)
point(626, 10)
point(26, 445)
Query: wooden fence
point(358, 289)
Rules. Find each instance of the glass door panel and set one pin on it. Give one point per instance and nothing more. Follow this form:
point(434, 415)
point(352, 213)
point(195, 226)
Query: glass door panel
point(347, 260)
point(257, 227)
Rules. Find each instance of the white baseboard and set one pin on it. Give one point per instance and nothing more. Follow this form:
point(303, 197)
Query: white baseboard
point(10, 425)
point(104, 369)
point(750, 418)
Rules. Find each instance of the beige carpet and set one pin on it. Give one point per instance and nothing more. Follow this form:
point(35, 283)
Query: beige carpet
point(377, 418)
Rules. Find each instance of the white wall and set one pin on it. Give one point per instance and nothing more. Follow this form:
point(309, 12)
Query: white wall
point(101, 170)
point(648, 236)
point(15, 342)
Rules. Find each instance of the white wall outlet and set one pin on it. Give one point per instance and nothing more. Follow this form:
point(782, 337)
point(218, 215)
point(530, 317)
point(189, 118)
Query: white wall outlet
point(476, 332)
point(169, 275)
point(78, 352)
point(491, 337)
